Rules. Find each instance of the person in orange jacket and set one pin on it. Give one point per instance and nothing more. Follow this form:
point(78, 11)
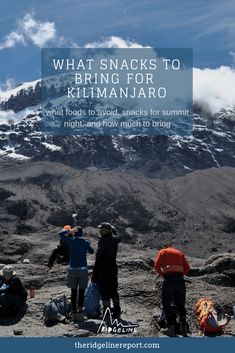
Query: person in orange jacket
point(172, 265)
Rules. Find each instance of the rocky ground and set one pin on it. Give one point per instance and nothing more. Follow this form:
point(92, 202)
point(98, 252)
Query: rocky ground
point(196, 212)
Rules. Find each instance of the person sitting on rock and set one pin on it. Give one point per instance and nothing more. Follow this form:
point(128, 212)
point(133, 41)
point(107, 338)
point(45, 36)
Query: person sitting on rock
point(13, 294)
point(105, 271)
point(78, 270)
point(61, 253)
point(172, 265)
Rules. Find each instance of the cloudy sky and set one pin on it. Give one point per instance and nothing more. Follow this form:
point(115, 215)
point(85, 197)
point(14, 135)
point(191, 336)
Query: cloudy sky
point(28, 25)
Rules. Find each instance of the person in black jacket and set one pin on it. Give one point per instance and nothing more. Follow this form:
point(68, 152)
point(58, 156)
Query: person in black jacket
point(13, 295)
point(105, 272)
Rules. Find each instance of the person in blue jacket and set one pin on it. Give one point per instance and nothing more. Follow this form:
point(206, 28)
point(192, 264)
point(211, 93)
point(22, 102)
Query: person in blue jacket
point(78, 270)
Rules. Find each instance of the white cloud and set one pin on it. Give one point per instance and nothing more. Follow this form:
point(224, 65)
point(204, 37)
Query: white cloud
point(7, 85)
point(114, 42)
point(11, 40)
point(6, 116)
point(30, 30)
point(38, 32)
point(214, 88)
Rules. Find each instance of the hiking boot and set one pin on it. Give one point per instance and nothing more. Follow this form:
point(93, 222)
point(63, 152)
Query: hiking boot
point(184, 331)
point(169, 331)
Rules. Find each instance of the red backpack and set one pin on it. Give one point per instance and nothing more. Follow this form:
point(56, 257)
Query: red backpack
point(207, 316)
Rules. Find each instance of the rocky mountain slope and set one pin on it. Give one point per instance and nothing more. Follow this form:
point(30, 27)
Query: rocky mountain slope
point(39, 195)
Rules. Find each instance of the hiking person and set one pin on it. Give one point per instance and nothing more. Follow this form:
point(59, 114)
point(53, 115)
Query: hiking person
point(13, 294)
point(105, 271)
point(78, 270)
point(61, 253)
point(172, 265)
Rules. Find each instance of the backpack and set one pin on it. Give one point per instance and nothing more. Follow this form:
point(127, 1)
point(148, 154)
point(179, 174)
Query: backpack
point(55, 308)
point(92, 301)
point(209, 319)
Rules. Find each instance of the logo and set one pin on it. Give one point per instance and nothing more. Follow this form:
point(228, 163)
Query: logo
point(108, 325)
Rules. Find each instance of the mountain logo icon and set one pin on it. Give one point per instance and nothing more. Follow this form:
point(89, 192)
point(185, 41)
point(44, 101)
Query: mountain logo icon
point(116, 326)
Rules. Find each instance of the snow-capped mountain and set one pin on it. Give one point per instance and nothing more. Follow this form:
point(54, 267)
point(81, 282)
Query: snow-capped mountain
point(210, 145)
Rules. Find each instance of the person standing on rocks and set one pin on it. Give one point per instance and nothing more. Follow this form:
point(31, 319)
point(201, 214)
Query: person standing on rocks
point(78, 270)
point(105, 272)
point(172, 265)
point(13, 294)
